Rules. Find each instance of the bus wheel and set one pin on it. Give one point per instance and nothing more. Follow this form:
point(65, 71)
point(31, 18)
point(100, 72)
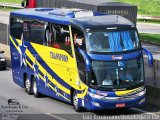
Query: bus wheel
point(35, 89)
point(75, 103)
point(28, 86)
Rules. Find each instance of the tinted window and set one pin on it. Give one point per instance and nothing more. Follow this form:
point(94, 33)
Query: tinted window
point(37, 33)
point(16, 27)
point(58, 36)
point(112, 41)
point(78, 38)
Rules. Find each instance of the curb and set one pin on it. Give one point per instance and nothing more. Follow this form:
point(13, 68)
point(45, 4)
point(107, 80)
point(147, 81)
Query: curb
point(153, 43)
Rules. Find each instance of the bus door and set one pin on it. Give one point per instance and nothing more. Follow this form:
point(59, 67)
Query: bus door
point(67, 59)
point(79, 45)
point(58, 55)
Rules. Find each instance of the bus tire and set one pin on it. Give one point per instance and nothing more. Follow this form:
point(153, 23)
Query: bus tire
point(28, 85)
point(35, 89)
point(75, 103)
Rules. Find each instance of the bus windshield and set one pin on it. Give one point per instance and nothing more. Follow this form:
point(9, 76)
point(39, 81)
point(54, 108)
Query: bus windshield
point(117, 74)
point(112, 41)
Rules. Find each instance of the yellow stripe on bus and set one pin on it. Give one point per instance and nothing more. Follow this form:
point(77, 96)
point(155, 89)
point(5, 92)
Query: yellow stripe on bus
point(32, 58)
point(44, 71)
point(42, 78)
point(128, 92)
point(82, 95)
point(40, 67)
point(14, 44)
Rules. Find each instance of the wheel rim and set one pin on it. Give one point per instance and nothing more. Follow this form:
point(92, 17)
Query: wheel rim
point(35, 87)
point(75, 101)
point(28, 84)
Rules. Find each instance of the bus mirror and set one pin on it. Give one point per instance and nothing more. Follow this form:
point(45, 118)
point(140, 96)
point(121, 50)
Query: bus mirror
point(150, 57)
point(86, 58)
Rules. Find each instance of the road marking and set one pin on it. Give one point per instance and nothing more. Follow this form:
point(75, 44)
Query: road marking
point(55, 116)
point(143, 111)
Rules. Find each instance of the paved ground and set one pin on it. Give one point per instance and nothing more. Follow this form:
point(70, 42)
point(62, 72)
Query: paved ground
point(148, 28)
point(4, 17)
point(155, 50)
point(48, 108)
point(6, 49)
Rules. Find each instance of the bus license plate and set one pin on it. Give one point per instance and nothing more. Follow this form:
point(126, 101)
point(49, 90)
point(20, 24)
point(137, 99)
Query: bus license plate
point(119, 105)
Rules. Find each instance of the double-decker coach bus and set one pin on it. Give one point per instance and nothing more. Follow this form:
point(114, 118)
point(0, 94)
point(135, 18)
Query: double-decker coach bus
point(89, 59)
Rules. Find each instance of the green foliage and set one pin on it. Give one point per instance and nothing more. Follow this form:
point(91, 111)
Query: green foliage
point(145, 7)
point(149, 21)
point(150, 37)
point(12, 1)
point(8, 8)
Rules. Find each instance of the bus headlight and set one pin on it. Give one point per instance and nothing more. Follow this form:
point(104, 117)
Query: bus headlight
point(96, 104)
point(2, 59)
point(95, 95)
point(142, 101)
point(141, 93)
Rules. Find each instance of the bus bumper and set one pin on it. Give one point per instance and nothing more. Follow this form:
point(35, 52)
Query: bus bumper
point(114, 102)
point(95, 104)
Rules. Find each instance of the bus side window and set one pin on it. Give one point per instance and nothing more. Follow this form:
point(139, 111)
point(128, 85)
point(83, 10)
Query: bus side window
point(37, 34)
point(16, 27)
point(61, 38)
point(50, 36)
point(26, 31)
point(78, 38)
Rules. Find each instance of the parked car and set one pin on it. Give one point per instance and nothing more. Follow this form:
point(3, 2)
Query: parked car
point(3, 63)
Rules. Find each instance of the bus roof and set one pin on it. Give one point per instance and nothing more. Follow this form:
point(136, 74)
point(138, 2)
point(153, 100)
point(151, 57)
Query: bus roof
point(84, 18)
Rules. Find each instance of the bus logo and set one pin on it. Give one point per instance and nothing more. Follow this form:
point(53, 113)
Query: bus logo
point(59, 56)
point(117, 57)
point(13, 102)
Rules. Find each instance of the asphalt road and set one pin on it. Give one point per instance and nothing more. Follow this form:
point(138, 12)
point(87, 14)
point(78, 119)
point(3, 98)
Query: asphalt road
point(154, 49)
point(148, 28)
point(4, 17)
point(46, 108)
point(142, 27)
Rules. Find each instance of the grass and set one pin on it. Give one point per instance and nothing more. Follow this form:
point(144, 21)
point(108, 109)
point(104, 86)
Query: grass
point(149, 21)
point(152, 38)
point(12, 1)
point(145, 7)
point(8, 9)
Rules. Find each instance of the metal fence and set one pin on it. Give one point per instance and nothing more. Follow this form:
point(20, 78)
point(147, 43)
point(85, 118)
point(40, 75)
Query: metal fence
point(46, 3)
point(4, 31)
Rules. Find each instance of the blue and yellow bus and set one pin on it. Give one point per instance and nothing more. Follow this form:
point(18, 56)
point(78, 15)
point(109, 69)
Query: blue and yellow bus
point(89, 59)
